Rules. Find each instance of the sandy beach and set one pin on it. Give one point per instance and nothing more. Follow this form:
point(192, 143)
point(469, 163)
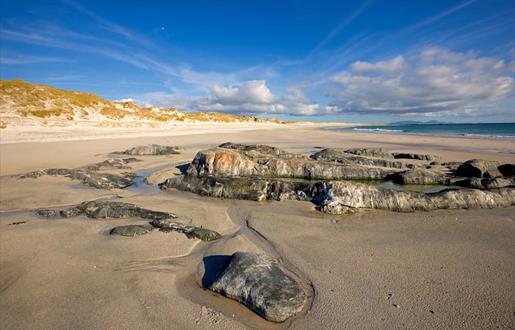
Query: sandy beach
point(452, 269)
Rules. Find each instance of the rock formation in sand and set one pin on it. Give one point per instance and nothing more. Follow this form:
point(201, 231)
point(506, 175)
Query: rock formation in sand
point(478, 168)
point(257, 172)
point(266, 161)
point(131, 230)
point(107, 210)
point(151, 150)
point(89, 176)
point(259, 282)
point(190, 231)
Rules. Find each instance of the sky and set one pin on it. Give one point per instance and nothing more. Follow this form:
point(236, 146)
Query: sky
point(354, 61)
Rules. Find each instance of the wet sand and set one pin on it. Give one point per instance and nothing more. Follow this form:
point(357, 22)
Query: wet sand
point(375, 269)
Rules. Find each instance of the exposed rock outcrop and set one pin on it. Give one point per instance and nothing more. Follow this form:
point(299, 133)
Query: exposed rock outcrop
point(257, 172)
point(507, 169)
point(369, 152)
point(190, 231)
point(486, 183)
point(404, 155)
point(478, 168)
point(340, 197)
point(256, 189)
point(275, 163)
point(259, 282)
point(151, 150)
point(344, 157)
point(111, 163)
point(90, 178)
point(419, 176)
point(131, 230)
point(107, 210)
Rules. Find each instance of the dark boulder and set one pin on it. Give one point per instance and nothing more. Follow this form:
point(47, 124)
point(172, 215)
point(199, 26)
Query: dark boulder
point(478, 168)
point(259, 282)
point(469, 183)
point(403, 155)
point(507, 169)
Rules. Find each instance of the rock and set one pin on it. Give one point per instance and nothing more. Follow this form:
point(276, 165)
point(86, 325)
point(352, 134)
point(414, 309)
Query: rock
point(258, 172)
point(339, 197)
point(152, 150)
point(256, 149)
point(47, 213)
point(254, 189)
point(259, 282)
point(274, 163)
point(452, 166)
point(369, 152)
point(485, 183)
point(419, 176)
point(507, 169)
point(498, 182)
point(190, 231)
point(478, 168)
point(107, 210)
point(343, 157)
point(87, 177)
point(31, 175)
point(469, 183)
point(131, 230)
point(402, 155)
point(111, 163)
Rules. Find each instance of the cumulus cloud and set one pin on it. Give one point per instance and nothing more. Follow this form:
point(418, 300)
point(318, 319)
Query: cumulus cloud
point(436, 81)
point(254, 97)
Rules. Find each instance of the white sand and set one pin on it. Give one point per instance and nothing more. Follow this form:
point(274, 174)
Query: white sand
point(443, 269)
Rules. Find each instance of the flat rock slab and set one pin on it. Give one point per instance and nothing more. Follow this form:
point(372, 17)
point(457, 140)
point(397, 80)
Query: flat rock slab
point(131, 230)
point(259, 282)
point(106, 210)
point(87, 177)
point(190, 231)
point(151, 150)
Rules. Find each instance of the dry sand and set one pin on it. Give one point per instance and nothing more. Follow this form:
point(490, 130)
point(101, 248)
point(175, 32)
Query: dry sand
point(373, 270)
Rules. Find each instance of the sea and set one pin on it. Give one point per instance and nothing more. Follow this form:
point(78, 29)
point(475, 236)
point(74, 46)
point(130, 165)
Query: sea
point(487, 130)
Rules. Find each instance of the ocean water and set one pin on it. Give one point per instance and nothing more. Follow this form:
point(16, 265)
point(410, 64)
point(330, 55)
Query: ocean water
point(489, 130)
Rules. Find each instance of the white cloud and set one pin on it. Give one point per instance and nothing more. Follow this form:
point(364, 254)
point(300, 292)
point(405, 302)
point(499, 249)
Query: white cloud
point(393, 65)
point(436, 81)
point(254, 97)
point(254, 91)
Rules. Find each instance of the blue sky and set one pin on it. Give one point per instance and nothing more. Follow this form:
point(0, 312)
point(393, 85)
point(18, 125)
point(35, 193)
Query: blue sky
point(306, 60)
